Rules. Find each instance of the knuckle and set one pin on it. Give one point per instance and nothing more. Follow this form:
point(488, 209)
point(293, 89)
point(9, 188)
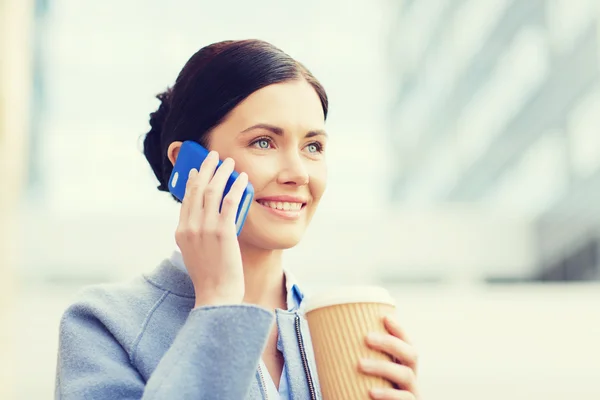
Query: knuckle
point(190, 232)
point(186, 235)
point(181, 236)
point(219, 233)
point(209, 231)
point(178, 236)
point(228, 201)
point(409, 377)
point(222, 232)
point(192, 189)
point(410, 356)
point(210, 191)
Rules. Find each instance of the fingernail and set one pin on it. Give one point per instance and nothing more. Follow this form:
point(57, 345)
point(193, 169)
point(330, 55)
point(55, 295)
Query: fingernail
point(377, 393)
point(366, 363)
point(213, 154)
point(374, 338)
point(192, 173)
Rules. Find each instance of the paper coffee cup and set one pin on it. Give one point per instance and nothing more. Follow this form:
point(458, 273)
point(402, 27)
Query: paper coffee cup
point(339, 321)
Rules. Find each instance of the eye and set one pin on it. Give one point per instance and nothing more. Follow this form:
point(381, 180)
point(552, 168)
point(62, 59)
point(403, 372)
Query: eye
point(263, 143)
point(314, 147)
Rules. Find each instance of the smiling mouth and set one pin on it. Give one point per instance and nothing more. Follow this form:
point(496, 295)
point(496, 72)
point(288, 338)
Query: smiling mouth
point(282, 205)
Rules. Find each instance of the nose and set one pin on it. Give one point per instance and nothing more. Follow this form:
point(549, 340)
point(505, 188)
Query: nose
point(293, 170)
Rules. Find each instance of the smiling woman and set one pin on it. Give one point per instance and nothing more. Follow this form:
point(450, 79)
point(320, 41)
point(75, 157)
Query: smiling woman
point(201, 325)
point(276, 135)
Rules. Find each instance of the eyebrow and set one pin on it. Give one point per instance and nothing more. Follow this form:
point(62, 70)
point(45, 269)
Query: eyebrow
point(279, 131)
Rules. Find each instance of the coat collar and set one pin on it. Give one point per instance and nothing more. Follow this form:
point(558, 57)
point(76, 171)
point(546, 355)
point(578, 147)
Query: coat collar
point(294, 294)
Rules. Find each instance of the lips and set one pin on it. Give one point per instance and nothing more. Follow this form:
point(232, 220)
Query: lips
point(286, 207)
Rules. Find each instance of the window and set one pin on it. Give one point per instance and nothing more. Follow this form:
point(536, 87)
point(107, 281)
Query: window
point(584, 134)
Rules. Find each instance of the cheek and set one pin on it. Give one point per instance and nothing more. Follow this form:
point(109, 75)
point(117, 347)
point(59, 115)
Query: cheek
point(318, 181)
point(259, 171)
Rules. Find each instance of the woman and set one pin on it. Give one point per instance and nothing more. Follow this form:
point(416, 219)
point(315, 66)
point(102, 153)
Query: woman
point(201, 325)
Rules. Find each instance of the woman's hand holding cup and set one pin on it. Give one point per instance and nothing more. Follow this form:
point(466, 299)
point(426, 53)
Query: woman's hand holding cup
point(401, 370)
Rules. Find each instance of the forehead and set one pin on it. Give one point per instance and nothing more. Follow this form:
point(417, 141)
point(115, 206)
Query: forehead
point(290, 105)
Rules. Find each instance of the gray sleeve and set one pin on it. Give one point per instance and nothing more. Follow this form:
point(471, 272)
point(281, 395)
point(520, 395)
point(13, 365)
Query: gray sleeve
point(214, 356)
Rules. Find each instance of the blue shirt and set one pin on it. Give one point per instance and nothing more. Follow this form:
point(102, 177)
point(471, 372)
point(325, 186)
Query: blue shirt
point(294, 299)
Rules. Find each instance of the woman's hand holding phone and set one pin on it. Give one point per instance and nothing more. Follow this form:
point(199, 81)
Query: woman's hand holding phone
point(207, 237)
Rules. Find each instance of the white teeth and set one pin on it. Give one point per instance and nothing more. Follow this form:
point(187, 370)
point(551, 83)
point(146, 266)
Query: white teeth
point(282, 205)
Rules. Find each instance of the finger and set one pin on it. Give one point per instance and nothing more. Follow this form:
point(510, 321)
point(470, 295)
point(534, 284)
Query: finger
point(398, 374)
point(199, 184)
point(394, 347)
point(231, 202)
point(393, 326)
point(184, 213)
point(213, 194)
point(391, 394)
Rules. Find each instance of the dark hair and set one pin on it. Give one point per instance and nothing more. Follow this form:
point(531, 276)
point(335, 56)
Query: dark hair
point(213, 81)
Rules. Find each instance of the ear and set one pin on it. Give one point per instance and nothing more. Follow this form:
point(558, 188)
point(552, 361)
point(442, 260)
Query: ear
point(173, 151)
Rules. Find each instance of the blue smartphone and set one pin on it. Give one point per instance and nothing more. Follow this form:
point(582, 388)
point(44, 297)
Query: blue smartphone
point(191, 155)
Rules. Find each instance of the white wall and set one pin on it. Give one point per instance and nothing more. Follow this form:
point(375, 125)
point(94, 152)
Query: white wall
point(14, 89)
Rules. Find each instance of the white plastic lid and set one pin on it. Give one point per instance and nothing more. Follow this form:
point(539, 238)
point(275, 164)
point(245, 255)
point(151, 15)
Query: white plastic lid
point(346, 295)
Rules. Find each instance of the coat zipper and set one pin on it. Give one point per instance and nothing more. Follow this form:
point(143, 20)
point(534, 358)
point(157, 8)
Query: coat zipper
point(311, 385)
point(263, 382)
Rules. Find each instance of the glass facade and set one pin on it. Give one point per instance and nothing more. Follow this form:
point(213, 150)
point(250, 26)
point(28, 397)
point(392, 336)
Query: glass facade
point(497, 107)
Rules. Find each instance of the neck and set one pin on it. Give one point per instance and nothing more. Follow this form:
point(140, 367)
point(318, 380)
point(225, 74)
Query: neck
point(263, 277)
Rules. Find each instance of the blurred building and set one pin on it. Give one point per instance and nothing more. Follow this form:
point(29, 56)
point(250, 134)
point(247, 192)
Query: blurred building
point(496, 105)
point(494, 169)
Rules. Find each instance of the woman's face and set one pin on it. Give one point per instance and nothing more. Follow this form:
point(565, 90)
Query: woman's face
point(277, 136)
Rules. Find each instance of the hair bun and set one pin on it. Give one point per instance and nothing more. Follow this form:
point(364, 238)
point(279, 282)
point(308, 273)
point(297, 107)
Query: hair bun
point(153, 149)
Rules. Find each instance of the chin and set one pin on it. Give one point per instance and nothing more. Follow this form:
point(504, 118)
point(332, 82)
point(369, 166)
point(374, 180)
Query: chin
point(282, 243)
point(278, 238)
